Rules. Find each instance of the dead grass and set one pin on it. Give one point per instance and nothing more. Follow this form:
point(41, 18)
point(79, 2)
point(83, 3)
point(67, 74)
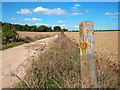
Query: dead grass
point(59, 67)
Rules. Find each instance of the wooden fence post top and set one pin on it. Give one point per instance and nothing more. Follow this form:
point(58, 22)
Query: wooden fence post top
point(87, 35)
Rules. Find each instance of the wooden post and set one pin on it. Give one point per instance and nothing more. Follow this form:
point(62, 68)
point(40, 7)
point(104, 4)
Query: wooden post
point(87, 56)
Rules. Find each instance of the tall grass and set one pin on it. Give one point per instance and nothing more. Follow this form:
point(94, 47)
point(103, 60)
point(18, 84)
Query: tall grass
point(59, 67)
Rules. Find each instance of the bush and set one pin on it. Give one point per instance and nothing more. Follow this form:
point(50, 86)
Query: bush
point(8, 34)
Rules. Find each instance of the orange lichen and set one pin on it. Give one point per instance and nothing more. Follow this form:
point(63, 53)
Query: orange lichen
point(92, 26)
point(87, 30)
point(85, 80)
point(82, 77)
point(80, 27)
point(92, 32)
point(85, 63)
point(82, 57)
point(85, 45)
point(84, 24)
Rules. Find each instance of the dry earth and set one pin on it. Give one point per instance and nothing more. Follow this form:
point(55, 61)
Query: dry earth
point(16, 60)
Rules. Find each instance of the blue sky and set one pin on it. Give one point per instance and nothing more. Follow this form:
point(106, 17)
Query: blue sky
point(65, 14)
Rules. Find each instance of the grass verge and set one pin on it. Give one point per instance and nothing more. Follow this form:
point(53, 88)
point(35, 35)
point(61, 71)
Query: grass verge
point(22, 41)
point(59, 67)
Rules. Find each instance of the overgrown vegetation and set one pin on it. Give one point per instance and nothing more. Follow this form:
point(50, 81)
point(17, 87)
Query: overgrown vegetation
point(21, 41)
point(59, 67)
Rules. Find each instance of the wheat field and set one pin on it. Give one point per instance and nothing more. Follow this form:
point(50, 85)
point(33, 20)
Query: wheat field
point(106, 50)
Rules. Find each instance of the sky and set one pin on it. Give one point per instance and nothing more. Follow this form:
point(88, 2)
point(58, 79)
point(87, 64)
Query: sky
point(65, 14)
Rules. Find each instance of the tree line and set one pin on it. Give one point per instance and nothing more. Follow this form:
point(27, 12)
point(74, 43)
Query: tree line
point(41, 28)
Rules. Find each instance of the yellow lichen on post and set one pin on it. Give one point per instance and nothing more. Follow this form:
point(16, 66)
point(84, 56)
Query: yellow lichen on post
point(85, 45)
point(85, 63)
point(85, 80)
point(87, 30)
point(92, 32)
point(84, 24)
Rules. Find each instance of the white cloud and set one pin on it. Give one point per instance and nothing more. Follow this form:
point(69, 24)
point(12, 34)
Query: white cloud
point(60, 21)
point(76, 14)
point(112, 13)
point(76, 26)
point(39, 24)
point(108, 13)
point(13, 18)
point(24, 11)
point(57, 11)
point(33, 19)
point(62, 26)
point(77, 5)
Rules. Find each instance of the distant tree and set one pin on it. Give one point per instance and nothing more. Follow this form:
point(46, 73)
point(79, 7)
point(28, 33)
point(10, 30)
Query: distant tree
point(65, 29)
point(57, 28)
point(33, 28)
point(42, 28)
point(75, 31)
point(49, 29)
